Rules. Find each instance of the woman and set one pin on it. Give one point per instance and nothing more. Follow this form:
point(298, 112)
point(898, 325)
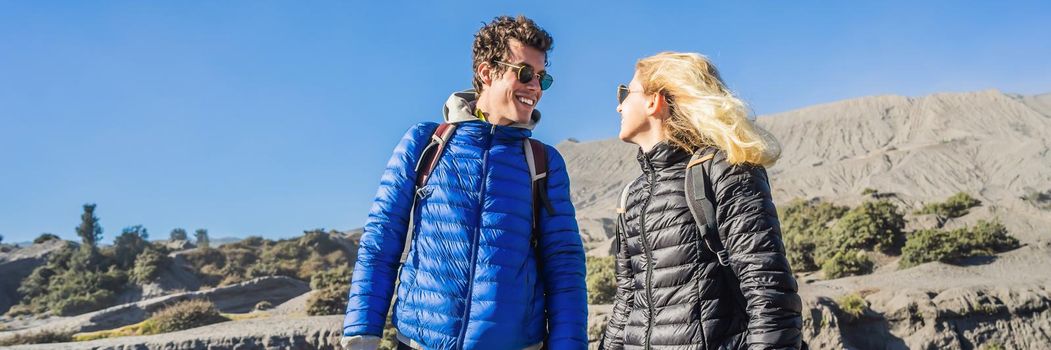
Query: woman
point(673, 292)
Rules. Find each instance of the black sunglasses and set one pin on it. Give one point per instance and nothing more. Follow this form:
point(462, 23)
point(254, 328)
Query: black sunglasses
point(526, 74)
point(623, 92)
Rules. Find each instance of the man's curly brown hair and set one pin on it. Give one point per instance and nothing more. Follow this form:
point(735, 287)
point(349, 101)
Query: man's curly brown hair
point(492, 42)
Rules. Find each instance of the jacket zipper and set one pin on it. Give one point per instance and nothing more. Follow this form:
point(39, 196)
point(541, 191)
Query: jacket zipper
point(476, 238)
point(648, 253)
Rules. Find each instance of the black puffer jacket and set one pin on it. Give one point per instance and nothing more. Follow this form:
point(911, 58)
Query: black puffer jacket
point(672, 293)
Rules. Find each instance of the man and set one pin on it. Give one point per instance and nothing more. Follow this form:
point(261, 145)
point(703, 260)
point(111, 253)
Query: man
point(477, 274)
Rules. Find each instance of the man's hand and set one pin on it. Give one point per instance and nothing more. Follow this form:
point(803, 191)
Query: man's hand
point(360, 342)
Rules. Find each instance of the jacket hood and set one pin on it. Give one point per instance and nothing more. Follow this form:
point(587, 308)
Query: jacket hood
point(460, 108)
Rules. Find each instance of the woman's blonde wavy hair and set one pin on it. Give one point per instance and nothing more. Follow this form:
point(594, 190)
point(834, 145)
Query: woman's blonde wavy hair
point(703, 112)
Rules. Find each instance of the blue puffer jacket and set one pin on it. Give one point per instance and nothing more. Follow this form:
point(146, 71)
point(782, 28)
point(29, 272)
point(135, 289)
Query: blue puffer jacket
point(472, 279)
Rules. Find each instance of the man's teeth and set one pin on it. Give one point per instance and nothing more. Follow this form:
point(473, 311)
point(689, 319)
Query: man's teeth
point(526, 101)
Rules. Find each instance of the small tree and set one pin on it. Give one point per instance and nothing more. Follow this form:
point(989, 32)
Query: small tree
point(804, 228)
point(202, 238)
point(871, 226)
point(130, 243)
point(90, 231)
point(147, 266)
point(178, 234)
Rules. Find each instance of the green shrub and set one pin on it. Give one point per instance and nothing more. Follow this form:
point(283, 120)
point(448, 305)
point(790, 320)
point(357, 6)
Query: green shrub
point(874, 225)
point(299, 258)
point(83, 302)
point(330, 278)
point(21, 310)
point(805, 231)
point(44, 237)
point(71, 282)
point(985, 238)
point(601, 279)
point(75, 292)
point(956, 206)
point(42, 337)
point(185, 315)
point(848, 263)
point(80, 279)
point(329, 301)
point(868, 191)
point(928, 245)
point(988, 237)
point(37, 282)
point(147, 266)
point(853, 305)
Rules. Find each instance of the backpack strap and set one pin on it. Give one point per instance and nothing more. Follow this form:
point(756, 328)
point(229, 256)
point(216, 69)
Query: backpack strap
point(424, 167)
point(536, 159)
point(432, 153)
point(702, 205)
point(622, 205)
point(700, 197)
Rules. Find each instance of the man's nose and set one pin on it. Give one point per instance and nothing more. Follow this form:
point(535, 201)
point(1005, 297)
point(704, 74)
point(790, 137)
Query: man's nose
point(534, 84)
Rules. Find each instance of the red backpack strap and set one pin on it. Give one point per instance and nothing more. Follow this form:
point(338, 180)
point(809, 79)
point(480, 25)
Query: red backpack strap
point(430, 156)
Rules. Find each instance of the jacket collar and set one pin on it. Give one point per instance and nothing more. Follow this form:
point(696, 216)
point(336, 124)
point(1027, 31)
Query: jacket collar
point(663, 155)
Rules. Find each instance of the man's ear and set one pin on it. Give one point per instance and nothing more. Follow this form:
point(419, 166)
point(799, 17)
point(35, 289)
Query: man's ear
point(485, 73)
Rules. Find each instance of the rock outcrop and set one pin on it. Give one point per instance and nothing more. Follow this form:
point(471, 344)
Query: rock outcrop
point(320, 332)
point(238, 298)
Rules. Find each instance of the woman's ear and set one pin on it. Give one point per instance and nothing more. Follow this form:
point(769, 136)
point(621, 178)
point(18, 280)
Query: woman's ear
point(656, 105)
point(485, 73)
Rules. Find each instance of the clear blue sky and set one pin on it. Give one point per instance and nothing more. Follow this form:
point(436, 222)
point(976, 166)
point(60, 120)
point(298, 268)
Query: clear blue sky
point(268, 118)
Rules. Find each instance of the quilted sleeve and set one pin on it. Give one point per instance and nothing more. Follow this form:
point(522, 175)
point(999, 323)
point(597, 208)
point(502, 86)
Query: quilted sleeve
point(379, 254)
